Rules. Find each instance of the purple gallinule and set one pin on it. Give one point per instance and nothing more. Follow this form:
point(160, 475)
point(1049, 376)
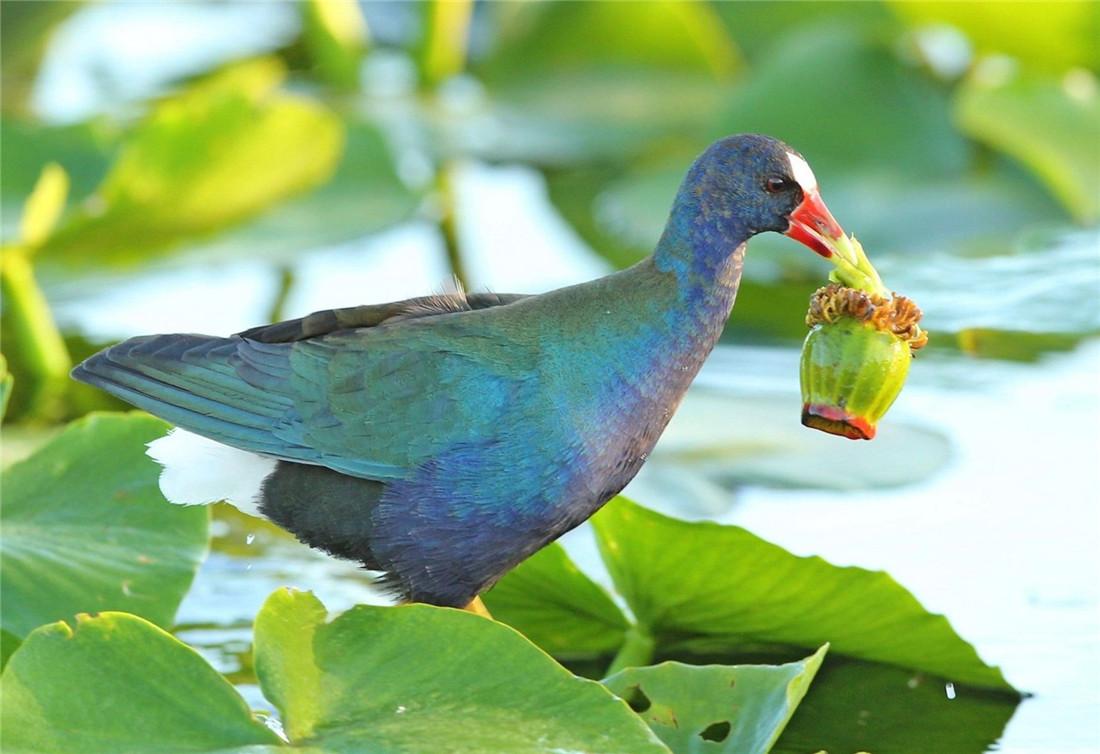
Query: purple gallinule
point(442, 440)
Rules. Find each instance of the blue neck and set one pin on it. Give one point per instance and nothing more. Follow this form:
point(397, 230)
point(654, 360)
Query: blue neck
point(704, 250)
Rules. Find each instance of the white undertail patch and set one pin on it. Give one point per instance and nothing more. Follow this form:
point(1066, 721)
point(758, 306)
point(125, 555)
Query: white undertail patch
point(800, 170)
point(200, 471)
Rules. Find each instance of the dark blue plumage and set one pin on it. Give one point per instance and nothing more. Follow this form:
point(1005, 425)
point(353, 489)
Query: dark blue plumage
point(445, 439)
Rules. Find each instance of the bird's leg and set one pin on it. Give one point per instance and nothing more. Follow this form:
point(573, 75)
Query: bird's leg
point(477, 607)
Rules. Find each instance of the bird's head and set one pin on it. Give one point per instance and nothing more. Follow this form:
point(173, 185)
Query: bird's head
point(765, 185)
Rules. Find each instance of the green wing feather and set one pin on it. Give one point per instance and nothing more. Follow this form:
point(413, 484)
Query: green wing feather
point(372, 402)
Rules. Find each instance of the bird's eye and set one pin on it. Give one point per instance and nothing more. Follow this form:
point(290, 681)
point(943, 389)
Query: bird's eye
point(775, 184)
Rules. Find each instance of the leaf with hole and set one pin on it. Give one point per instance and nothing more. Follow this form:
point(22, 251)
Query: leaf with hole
point(730, 588)
point(717, 709)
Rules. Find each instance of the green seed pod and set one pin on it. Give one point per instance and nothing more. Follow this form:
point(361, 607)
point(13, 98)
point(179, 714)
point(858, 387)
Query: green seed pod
point(855, 359)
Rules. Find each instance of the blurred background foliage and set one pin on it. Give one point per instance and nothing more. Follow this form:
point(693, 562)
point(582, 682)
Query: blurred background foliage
point(957, 130)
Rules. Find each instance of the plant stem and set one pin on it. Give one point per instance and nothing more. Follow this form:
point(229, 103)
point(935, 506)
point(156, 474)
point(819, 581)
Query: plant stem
point(31, 338)
point(278, 304)
point(636, 651)
point(448, 222)
point(443, 54)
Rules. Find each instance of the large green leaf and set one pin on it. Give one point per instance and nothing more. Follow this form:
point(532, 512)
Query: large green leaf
point(857, 706)
point(116, 684)
point(717, 709)
point(556, 606)
point(418, 678)
point(86, 528)
point(699, 579)
point(1043, 34)
point(1051, 125)
point(849, 105)
point(217, 153)
point(363, 196)
point(597, 80)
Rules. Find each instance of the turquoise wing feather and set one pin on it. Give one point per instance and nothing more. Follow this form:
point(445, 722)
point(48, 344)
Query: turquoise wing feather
point(372, 402)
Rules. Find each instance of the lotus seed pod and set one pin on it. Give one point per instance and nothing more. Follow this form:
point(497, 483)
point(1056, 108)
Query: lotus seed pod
point(855, 359)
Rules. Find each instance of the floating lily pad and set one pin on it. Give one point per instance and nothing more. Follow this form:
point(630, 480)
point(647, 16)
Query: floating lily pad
point(117, 684)
point(754, 438)
point(717, 709)
point(86, 528)
point(859, 706)
point(725, 585)
point(420, 678)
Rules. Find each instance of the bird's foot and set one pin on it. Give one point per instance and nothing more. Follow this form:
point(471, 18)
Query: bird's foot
point(477, 607)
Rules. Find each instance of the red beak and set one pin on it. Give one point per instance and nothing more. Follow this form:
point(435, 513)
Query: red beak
point(813, 225)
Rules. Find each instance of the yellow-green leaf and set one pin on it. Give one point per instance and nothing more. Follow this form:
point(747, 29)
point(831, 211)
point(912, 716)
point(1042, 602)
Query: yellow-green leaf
point(44, 205)
point(335, 35)
point(217, 153)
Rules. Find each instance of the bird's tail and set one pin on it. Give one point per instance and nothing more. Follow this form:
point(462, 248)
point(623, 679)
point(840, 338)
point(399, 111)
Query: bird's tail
point(193, 381)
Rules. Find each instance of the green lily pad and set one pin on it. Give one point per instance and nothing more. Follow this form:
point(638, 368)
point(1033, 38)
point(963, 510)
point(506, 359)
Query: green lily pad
point(699, 580)
point(858, 706)
point(86, 528)
point(558, 607)
point(215, 154)
point(284, 631)
point(420, 678)
point(116, 684)
point(1049, 124)
point(717, 709)
point(753, 438)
